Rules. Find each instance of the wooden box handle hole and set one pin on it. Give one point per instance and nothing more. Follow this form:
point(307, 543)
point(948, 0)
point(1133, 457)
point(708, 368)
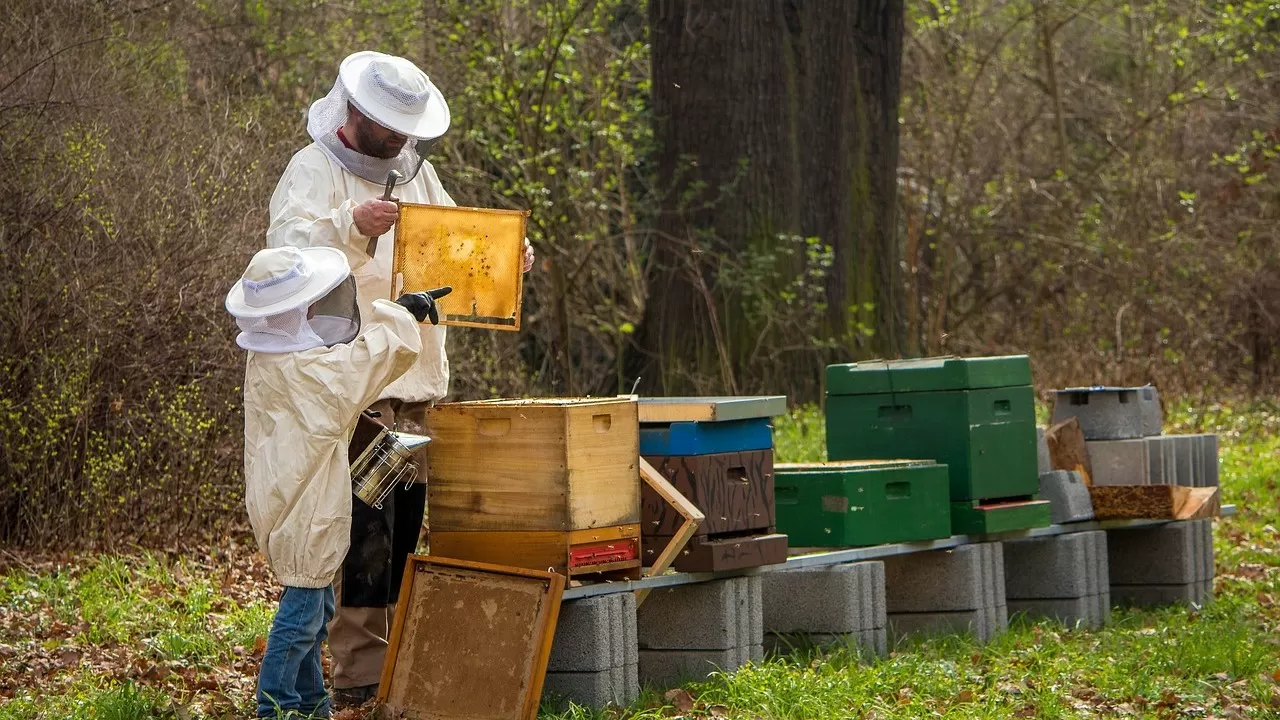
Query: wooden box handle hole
point(495, 427)
point(602, 422)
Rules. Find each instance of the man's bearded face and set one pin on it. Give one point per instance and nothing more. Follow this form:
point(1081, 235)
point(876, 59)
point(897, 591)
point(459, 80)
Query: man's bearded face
point(377, 141)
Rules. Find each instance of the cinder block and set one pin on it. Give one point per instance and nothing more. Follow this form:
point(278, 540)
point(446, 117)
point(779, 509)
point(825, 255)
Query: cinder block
point(873, 642)
point(874, 577)
point(1119, 462)
point(996, 590)
point(1152, 415)
point(595, 634)
point(664, 667)
point(754, 628)
point(1198, 593)
point(1085, 611)
point(834, 599)
point(619, 686)
point(1044, 463)
point(1185, 449)
point(1068, 496)
point(963, 578)
point(715, 615)
point(1208, 571)
point(1096, 558)
point(1171, 554)
point(983, 623)
point(1110, 413)
point(1210, 456)
point(1162, 468)
point(1057, 566)
point(876, 640)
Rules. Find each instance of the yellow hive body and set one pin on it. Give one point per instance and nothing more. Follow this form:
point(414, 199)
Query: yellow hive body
point(553, 465)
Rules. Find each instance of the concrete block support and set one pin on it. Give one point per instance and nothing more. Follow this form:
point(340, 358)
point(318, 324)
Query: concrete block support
point(1044, 463)
point(947, 591)
point(1186, 448)
point(1162, 565)
point(1063, 577)
point(1162, 460)
point(594, 656)
point(1110, 413)
point(688, 631)
point(1119, 462)
point(1068, 496)
point(619, 686)
point(833, 605)
point(1209, 449)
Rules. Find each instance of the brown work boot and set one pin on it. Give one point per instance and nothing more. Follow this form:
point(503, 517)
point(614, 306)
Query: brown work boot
point(352, 697)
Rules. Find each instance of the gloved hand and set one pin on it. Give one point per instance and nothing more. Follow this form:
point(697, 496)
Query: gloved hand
point(423, 304)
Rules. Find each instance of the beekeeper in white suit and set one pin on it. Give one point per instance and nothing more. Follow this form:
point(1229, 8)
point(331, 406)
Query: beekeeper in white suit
point(311, 369)
point(328, 196)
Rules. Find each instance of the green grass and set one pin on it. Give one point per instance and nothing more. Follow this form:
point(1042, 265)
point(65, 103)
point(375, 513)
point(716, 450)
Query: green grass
point(184, 621)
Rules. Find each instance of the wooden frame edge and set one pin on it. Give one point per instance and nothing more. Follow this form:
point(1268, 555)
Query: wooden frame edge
point(556, 584)
point(555, 593)
point(397, 261)
point(693, 517)
point(397, 629)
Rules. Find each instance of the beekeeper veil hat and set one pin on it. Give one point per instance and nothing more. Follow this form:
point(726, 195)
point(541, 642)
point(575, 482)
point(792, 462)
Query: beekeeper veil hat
point(291, 299)
point(388, 90)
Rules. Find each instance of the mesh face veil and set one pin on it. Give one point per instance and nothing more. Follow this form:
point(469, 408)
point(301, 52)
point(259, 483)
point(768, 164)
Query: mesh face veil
point(336, 316)
point(334, 319)
point(388, 91)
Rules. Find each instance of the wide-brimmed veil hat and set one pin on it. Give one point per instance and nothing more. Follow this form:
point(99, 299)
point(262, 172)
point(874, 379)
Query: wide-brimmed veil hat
point(278, 280)
point(394, 93)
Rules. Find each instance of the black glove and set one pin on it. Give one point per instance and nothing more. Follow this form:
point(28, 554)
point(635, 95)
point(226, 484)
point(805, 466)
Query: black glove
point(423, 304)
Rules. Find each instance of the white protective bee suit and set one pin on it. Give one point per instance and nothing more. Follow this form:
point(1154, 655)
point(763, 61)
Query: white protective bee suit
point(312, 207)
point(302, 399)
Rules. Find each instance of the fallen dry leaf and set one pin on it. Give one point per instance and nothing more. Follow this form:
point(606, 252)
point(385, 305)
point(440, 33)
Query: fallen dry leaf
point(965, 696)
point(679, 699)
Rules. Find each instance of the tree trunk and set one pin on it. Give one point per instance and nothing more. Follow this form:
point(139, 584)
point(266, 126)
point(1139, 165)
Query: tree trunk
point(774, 117)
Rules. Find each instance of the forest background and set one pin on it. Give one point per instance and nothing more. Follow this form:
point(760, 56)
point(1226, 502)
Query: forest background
point(1091, 182)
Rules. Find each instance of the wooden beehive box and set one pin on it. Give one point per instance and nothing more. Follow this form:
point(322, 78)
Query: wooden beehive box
point(550, 465)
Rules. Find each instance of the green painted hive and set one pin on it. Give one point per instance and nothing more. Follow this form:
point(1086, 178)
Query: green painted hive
point(847, 504)
point(976, 415)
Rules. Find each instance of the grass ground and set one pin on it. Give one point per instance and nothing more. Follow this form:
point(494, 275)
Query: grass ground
point(171, 635)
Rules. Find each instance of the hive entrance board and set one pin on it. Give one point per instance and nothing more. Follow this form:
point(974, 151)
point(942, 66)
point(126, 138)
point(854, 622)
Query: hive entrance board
point(478, 252)
point(470, 641)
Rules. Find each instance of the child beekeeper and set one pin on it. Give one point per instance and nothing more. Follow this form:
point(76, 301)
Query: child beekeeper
point(311, 369)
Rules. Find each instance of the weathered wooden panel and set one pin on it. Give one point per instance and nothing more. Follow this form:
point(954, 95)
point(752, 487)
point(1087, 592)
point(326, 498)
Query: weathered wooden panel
point(734, 491)
point(533, 465)
point(469, 641)
point(552, 551)
point(716, 554)
point(710, 409)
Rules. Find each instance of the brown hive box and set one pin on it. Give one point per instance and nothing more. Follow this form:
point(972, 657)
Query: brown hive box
point(545, 483)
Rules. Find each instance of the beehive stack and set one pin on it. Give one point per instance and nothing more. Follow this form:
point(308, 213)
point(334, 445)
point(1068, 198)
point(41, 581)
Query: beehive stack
point(718, 453)
point(976, 415)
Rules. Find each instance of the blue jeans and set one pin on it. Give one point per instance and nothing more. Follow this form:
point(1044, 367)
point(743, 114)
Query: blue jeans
point(291, 678)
